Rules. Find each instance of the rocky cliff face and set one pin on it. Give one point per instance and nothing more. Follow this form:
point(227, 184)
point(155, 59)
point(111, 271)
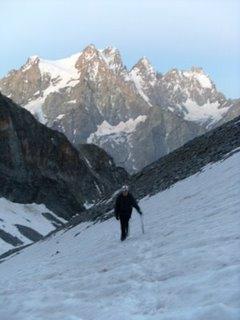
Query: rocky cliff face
point(102, 165)
point(38, 164)
point(136, 116)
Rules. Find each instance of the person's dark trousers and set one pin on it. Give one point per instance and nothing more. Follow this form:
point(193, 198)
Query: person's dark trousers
point(124, 219)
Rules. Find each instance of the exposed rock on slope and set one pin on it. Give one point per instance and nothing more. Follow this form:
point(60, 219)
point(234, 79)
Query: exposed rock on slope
point(102, 165)
point(188, 159)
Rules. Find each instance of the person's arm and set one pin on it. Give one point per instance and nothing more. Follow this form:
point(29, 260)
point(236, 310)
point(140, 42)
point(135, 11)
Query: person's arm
point(116, 209)
point(135, 205)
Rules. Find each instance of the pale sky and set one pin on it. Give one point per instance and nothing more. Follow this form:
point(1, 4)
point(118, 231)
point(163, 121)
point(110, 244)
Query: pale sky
point(170, 33)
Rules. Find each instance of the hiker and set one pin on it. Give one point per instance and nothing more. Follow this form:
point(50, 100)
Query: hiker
point(123, 209)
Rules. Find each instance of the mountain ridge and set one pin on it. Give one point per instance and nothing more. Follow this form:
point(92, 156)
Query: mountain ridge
point(77, 95)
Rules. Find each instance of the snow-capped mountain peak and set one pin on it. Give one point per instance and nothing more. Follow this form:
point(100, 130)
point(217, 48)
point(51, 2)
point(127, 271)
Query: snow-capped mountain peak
point(60, 68)
point(199, 75)
point(33, 59)
point(77, 94)
point(144, 68)
point(63, 68)
point(112, 58)
point(144, 77)
point(90, 52)
point(145, 63)
point(193, 77)
point(194, 96)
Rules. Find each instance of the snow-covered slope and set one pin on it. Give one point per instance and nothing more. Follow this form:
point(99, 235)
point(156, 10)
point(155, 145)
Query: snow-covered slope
point(21, 224)
point(185, 267)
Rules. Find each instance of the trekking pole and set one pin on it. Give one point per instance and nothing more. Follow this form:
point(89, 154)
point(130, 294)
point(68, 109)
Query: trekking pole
point(142, 225)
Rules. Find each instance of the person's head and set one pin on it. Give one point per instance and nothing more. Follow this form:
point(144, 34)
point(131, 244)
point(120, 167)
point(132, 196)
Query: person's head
point(125, 190)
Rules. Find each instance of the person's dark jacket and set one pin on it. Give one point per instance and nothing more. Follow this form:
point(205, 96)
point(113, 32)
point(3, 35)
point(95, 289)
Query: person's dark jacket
point(125, 204)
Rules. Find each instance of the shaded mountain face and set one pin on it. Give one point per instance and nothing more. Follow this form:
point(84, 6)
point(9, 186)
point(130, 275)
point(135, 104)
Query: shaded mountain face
point(39, 165)
point(102, 165)
point(136, 116)
point(214, 146)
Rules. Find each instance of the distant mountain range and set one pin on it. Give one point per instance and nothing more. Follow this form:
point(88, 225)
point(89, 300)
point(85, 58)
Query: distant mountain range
point(136, 115)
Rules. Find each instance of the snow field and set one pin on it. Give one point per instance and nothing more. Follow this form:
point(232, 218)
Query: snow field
point(185, 267)
point(29, 215)
point(105, 128)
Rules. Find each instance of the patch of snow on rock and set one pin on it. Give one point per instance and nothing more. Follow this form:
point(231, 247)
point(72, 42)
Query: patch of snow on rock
point(199, 75)
point(35, 107)
point(60, 116)
point(62, 69)
point(127, 127)
point(139, 83)
point(208, 111)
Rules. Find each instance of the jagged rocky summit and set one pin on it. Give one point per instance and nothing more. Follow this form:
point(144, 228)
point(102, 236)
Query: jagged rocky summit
point(137, 115)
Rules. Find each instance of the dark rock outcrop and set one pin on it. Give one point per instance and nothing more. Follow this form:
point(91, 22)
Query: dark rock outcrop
point(7, 237)
point(102, 165)
point(29, 233)
point(55, 221)
point(38, 164)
